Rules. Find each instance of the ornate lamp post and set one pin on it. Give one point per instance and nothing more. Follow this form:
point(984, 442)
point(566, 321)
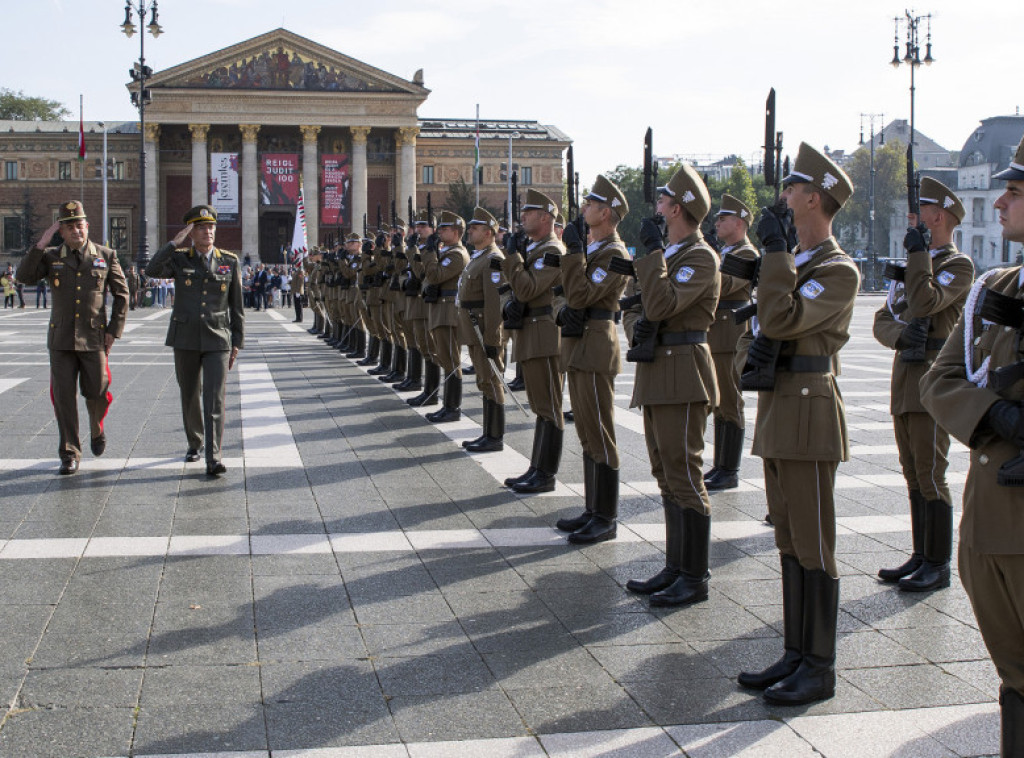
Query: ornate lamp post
point(872, 253)
point(139, 73)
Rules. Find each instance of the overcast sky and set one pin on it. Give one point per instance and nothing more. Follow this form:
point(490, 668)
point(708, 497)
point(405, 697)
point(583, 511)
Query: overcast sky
point(602, 71)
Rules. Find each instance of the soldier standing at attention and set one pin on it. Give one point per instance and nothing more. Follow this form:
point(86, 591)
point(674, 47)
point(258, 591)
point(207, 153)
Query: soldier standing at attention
point(207, 328)
point(80, 335)
point(298, 288)
point(676, 390)
point(536, 343)
point(805, 301)
point(977, 396)
point(915, 321)
point(731, 226)
point(417, 311)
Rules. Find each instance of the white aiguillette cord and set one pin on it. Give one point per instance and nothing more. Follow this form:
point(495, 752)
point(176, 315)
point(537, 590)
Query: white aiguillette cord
point(979, 377)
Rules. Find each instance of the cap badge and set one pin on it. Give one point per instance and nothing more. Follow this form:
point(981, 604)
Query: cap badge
point(828, 181)
point(948, 202)
point(204, 213)
point(70, 206)
point(616, 202)
point(743, 214)
point(689, 197)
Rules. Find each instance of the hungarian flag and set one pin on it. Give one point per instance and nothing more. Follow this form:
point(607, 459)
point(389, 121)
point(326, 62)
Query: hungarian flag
point(298, 248)
point(81, 131)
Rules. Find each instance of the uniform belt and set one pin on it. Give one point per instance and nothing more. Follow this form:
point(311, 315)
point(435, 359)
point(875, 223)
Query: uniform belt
point(448, 293)
point(682, 338)
point(731, 305)
point(601, 315)
point(471, 304)
point(543, 310)
point(805, 364)
point(934, 343)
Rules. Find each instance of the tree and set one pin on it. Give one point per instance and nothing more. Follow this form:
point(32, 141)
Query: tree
point(17, 106)
point(890, 186)
point(461, 199)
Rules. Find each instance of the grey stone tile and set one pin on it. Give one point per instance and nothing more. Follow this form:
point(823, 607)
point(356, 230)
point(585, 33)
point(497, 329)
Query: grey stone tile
point(324, 641)
point(110, 650)
point(406, 640)
point(577, 708)
point(294, 565)
point(979, 674)
point(328, 724)
point(666, 662)
point(24, 619)
point(452, 671)
point(704, 701)
point(475, 715)
point(914, 686)
point(422, 607)
point(178, 685)
point(942, 645)
point(209, 728)
point(81, 687)
point(58, 733)
point(545, 667)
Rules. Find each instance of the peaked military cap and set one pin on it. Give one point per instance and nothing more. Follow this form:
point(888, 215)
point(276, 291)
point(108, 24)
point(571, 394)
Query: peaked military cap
point(422, 218)
point(540, 201)
point(820, 171)
point(1015, 171)
point(71, 211)
point(605, 192)
point(482, 218)
point(451, 219)
point(687, 188)
point(559, 221)
point(353, 237)
point(732, 206)
point(934, 192)
point(397, 223)
point(200, 214)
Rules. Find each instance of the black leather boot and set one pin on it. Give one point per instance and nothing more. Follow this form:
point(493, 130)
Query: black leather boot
point(486, 403)
point(397, 372)
point(429, 394)
point(326, 327)
point(414, 373)
point(1011, 710)
point(316, 324)
point(692, 584)
point(792, 629)
point(728, 475)
point(933, 574)
point(673, 553)
point(493, 438)
point(602, 525)
point(815, 677)
point(537, 434)
point(371, 353)
point(451, 409)
point(334, 334)
point(518, 384)
point(589, 487)
point(384, 366)
point(917, 534)
point(548, 457)
point(718, 450)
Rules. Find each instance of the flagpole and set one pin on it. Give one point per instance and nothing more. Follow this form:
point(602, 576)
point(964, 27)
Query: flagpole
point(81, 149)
point(476, 167)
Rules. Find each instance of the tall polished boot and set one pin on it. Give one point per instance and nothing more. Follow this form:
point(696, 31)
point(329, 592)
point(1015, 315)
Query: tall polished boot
point(1011, 710)
point(548, 457)
point(933, 573)
point(538, 433)
point(815, 677)
point(429, 394)
point(602, 524)
point(792, 629)
point(492, 439)
point(718, 449)
point(728, 475)
point(316, 324)
point(692, 584)
point(673, 553)
point(371, 353)
point(397, 372)
point(451, 408)
point(589, 487)
point(384, 366)
point(518, 384)
point(414, 373)
point(334, 334)
point(912, 564)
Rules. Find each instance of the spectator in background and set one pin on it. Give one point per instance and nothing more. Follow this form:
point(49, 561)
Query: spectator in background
point(286, 288)
point(41, 293)
point(7, 280)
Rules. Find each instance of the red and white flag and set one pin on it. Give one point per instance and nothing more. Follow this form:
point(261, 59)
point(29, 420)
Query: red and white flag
point(299, 248)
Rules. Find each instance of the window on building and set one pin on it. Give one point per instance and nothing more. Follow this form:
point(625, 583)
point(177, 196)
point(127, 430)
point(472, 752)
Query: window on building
point(64, 171)
point(10, 170)
point(428, 175)
point(118, 172)
point(977, 247)
point(527, 175)
point(119, 232)
point(978, 211)
point(12, 233)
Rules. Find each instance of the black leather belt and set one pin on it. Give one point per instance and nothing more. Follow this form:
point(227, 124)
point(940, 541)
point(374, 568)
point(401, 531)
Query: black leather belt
point(731, 305)
point(448, 293)
point(543, 310)
point(805, 364)
point(682, 338)
point(471, 304)
point(600, 315)
point(934, 343)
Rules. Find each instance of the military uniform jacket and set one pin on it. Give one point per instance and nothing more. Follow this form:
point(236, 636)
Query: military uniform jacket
point(372, 269)
point(443, 269)
point(78, 314)
point(532, 283)
point(936, 288)
point(806, 300)
point(208, 310)
point(725, 332)
point(590, 286)
point(415, 308)
point(479, 298)
point(993, 519)
point(132, 278)
point(298, 280)
point(680, 292)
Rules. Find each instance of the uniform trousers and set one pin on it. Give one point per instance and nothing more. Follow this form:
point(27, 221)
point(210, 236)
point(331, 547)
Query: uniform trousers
point(89, 370)
point(675, 445)
point(802, 506)
point(923, 447)
point(375, 322)
point(446, 349)
point(544, 388)
point(488, 384)
point(205, 372)
point(397, 312)
point(592, 397)
point(995, 586)
point(423, 339)
point(730, 399)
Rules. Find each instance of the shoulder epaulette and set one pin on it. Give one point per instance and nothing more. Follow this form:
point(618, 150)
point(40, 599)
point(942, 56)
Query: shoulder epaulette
point(228, 253)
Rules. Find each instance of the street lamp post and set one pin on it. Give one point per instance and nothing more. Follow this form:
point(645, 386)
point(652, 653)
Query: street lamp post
point(872, 253)
point(139, 73)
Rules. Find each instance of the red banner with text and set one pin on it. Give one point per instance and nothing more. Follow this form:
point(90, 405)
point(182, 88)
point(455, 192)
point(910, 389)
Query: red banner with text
point(279, 179)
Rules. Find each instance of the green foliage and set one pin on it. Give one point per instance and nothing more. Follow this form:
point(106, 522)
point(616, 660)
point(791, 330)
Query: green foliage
point(17, 106)
point(890, 186)
point(461, 199)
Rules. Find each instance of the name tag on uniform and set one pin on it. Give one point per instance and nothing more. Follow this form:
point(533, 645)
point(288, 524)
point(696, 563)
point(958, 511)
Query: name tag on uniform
point(684, 274)
point(599, 275)
point(495, 276)
point(946, 278)
point(99, 263)
point(188, 271)
point(538, 264)
point(223, 270)
point(446, 261)
point(57, 264)
point(811, 289)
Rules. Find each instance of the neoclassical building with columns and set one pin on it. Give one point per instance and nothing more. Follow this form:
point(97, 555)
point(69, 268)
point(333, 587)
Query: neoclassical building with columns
point(242, 127)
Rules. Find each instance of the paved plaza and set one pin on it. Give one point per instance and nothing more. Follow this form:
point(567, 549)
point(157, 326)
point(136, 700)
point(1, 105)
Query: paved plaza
point(357, 586)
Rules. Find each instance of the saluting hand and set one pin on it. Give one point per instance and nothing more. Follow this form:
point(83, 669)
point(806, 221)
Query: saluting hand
point(47, 235)
point(182, 235)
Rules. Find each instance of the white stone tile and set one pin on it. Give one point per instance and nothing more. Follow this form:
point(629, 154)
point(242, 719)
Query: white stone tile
point(353, 751)
point(647, 532)
point(10, 383)
point(744, 739)
point(964, 729)
point(106, 547)
point(290, 544)
point(526, 536)
point(69, 547)
point(877, 734)
point(738, 530)
point(209, 545)
point(650, 742)
point(508, 747)
point(370, 542)
point(446, 539)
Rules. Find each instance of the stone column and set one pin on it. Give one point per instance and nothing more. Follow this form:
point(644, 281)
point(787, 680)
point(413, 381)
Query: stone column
point(359, 135)
point(407, 180)
point(250, 179)
point(311, 183)
point(200, 164)
point(154, 217)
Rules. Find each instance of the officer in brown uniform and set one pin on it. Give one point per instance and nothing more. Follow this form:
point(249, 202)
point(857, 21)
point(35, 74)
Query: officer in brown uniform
point(731, 227)
point(536, 338)
point(373, 265)
point(416, 313)
point(80, 336)
point(978, 398)
point(389, 243)
point(444, 260)
point(679, 284)
point(131, 275)
point(480, 329)
point(805, 304)
point(918, 315)
point(590, 345)
point(408, 292)
point(298, 284)
point(207, 328)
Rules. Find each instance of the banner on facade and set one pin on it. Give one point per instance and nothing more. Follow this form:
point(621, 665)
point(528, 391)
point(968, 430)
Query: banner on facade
point(224, 186)
point(279, 179)
point(334, 207)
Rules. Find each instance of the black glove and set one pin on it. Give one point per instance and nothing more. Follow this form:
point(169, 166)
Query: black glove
point(1006, 420)
point(400, 254)
point(643, 330)
point(381, 239)
point(396, 239)
point(552, 260)
point(622, 266)
point(513, 310)
point(761, 352)
point(494, 264)
point(914, 241)
point(367, 247)
point(412, 240)
point(629, 302)
point(774, 227)
point(432, 242)
point(570, 317)
point(914, 334)
point(491, 351)
point(510, 243)
point(572, 240)
point(650, 234)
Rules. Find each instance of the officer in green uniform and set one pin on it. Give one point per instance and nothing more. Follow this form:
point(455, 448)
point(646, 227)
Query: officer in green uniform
point(207, 328)
point(80, 336)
